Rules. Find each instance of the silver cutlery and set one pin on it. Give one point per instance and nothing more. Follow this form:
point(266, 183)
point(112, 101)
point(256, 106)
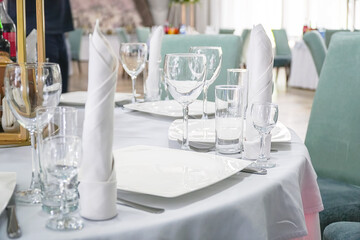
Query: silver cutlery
point(13, 228)
point(139, 206)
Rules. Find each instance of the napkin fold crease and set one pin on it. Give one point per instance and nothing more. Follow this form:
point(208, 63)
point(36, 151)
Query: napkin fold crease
point(97, 174)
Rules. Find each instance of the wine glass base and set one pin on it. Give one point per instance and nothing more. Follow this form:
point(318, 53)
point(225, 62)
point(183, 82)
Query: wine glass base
point(263, 164)
point(65, 224)
point(30, 196)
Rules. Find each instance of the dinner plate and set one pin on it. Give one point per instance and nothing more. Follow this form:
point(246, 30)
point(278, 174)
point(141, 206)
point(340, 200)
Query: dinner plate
point(171, 108)
point(169, 172)
point(7, 186)
point(204, 131)
point(79, 98)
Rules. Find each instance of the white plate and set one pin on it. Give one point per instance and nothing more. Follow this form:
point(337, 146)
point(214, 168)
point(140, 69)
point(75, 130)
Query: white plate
point(79, 98)
point(169, 172)
point(171, 108)
point(204, 131)
point(7, 186)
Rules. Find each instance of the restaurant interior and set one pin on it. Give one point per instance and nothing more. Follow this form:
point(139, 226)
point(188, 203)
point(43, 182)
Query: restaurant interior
point(180, 119)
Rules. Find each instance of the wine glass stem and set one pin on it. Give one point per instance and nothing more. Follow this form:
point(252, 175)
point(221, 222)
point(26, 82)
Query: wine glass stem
point(62, 200)
point(35, 184)
point(205, 116)
point(262, 147)
point(185, 141)
point(133, 81)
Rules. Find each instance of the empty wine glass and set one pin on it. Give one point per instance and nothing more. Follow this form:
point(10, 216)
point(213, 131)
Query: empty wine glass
point(264, 117)
point(161, 73)
point(29, 86)
point(213, 66)
point(185, 75)
point(133, 57)
point(61, 159)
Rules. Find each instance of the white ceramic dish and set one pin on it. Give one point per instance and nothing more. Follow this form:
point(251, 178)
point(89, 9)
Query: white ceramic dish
point(204, 131)
point(79, 98)
point(171, 108)
point(169, 172)
point(7, 186)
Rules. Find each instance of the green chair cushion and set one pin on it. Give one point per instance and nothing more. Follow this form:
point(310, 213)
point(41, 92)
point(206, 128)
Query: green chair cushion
point(142, 34)
point(226, 31)
point(280, 61)
point(341, 202)
point(75, 43)
point(342, 231)
point(282, 43)
point(230, 44)
point(330, 32)
point(317, 48)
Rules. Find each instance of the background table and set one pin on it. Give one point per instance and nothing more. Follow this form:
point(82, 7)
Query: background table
point(244, 206)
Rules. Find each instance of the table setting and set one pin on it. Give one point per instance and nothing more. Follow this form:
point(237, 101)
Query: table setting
point(136, 171)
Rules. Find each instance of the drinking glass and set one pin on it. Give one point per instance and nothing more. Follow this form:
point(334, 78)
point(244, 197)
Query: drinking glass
point(62, 156)
point(184, 76)
point(213, 65)
point(264, 117)
point(29, 86)
point(133, 58)
point(53, 121)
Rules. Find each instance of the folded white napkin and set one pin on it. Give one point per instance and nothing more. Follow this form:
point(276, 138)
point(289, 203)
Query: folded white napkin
point(260, 65)
point(97, 175)
point(152, 83)
point(8, 121)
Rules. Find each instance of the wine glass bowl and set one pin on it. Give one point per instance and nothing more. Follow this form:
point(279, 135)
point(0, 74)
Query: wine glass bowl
point(264, 117)
point(29, 86)
point(213, 65)
point(133, 57)
point(184, 75)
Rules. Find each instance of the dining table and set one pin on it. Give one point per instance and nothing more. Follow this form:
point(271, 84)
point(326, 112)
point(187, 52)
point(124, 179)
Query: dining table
point(283, 204)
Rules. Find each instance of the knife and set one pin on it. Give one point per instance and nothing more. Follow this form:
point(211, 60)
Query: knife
point(13, 228)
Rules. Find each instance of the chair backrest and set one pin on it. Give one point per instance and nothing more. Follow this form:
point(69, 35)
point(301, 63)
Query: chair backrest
point(245, 37)
point(123, 37)
point(226, 31)
point(330, 32)
point(333, 134)
point(75, 43)
point(230, 44)
point(316, 45)
point(142, 34)
point(282, 43)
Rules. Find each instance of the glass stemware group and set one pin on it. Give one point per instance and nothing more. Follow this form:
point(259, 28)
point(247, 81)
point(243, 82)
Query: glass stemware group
point(30, 86)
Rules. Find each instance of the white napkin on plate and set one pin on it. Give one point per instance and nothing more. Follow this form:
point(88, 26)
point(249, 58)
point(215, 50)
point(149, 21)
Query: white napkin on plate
point(97, 175)
point(260, 65)
point(152, 83)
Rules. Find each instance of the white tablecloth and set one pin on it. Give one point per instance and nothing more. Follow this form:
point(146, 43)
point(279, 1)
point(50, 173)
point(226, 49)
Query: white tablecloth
point(244, 206)
point(303, 72)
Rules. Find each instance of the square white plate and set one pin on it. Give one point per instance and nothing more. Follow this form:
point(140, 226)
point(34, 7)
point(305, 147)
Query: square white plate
point(7, 186)
point(204, 131)
point(78, 98)
point(169, 172)
point(171, 108)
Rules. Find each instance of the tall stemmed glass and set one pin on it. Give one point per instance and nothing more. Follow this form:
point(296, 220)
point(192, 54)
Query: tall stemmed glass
point(264, 117)
point(185, 75)
point(133, 57)
point(213, 66)
point(29, 86)
point(62, 157)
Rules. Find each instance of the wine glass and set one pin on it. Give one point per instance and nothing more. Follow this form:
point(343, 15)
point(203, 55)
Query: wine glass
point(213, 66)
point(61, 159)
point(133, 57)
point(264, 117)
point(185, 76)
point(29, 86)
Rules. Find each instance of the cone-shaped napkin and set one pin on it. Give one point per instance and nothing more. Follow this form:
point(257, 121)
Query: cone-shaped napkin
point(260, 65)
point(152, 84)
point(97, 175)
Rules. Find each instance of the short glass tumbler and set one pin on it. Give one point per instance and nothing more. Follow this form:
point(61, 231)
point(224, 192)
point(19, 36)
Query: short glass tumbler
point(228, 119)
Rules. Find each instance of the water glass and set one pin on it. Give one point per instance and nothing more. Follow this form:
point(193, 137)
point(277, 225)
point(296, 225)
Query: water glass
point(228, 118)
point(56, 121)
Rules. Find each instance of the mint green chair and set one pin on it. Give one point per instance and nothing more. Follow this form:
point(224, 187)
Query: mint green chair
point(123, 37)
point(245, 37)
point(282, 56)
point(230, 44)
point(317, 48)
point(330, 32)
point(142, 34)
point(226, 31)
point(342, 231)
point(75, 45)
point(333, 134)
